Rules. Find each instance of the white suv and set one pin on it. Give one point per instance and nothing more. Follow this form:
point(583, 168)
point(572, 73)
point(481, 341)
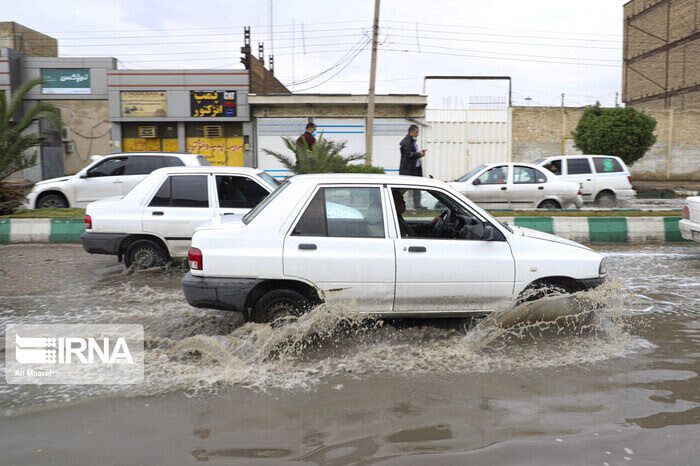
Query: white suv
point(155, 221)
point(604, 179)
point(109, 176)
point(348, 239)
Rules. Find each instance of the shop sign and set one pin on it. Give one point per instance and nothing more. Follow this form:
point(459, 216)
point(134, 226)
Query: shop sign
point(144, 104)
point(65, 81)
point(212, 104)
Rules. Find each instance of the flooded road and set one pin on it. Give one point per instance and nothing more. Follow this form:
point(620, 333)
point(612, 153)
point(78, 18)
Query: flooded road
point(336, 388)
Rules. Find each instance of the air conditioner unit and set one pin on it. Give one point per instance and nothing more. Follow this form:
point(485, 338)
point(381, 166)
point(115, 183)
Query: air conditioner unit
point(148, 132)
point(213, 131)
point(66, 135)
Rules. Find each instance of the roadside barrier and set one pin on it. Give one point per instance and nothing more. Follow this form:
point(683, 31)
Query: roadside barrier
point(581, 229)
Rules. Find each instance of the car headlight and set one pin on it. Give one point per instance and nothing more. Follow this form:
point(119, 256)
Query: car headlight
point(602, 270)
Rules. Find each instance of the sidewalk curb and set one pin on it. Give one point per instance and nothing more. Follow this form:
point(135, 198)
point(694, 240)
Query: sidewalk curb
point(581, 229)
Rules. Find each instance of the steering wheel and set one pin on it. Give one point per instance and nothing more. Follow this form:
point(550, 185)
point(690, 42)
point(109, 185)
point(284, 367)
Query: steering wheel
point(441, 224)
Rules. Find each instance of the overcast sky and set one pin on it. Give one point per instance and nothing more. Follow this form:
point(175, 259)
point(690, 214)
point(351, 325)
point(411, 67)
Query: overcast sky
point(548, 47)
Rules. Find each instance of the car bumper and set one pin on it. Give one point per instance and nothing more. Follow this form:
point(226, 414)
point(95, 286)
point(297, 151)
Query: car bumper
point(30, 201)
point(689, 230)
point(102, 243)
point(590, 283)
point(228, 294)
point(625, 194)
point(578, 201)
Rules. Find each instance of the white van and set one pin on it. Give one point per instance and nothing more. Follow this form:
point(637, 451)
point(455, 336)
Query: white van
point(604, 179)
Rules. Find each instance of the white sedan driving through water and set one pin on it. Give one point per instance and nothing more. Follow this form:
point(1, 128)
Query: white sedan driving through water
point(517, 186)
point(349, 239)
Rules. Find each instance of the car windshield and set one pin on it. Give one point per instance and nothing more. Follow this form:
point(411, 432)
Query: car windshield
point(247, 218)
point(471, 173)
point(271, 180)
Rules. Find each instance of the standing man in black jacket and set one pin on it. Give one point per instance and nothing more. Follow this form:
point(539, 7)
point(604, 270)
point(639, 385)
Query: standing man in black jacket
point(411, 160)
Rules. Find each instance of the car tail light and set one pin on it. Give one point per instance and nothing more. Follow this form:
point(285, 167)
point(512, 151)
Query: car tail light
point(629, 178)
point(88, 222)
point(194, 258)
point(686, 212)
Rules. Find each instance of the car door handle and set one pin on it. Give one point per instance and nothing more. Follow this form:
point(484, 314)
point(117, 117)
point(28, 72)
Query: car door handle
point(307, 246)
point(157, 212)
point(588, 180)
point(540, 187)
point(117, 181)
point(503, 188)
point(417, 249)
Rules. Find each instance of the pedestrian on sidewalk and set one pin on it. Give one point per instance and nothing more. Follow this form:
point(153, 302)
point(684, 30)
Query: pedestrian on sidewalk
point(307, 139)
point(411, 160)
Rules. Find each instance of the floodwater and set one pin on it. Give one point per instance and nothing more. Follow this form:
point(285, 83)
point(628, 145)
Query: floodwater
point(336, 388)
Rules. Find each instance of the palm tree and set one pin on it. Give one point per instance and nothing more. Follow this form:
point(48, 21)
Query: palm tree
point(16, 138)
point(324, 157)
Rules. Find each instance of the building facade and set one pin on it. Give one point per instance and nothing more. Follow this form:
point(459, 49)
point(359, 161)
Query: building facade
point(661, 68)
point(27, 41)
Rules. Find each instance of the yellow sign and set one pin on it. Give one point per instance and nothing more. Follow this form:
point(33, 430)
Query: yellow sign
point(219, 151)
point(144, 104)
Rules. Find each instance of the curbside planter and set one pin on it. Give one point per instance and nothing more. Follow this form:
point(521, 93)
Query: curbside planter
point(580, 229)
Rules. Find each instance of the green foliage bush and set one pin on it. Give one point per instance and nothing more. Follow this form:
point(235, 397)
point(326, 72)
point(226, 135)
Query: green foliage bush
point(624, 132)
point(363, 169)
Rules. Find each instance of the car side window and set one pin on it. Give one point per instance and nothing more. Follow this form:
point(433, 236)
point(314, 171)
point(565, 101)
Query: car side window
point(578, 166)
point(554, 166)
point(142, 164)
point(182, 191)
point(239, 192)
point(606, 165)
point(527, 175)
point(496, 175)
point(352, 212)
point(111, 167)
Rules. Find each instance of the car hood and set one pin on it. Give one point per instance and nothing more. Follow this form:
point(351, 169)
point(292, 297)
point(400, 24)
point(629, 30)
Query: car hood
point(540, 235)
point(53, 180)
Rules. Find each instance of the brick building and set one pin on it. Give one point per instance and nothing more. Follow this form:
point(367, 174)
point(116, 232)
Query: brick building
point(662, 54)
point(26, 41)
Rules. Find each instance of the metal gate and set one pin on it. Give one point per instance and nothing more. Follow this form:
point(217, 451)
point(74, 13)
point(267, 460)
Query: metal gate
point(459, 140)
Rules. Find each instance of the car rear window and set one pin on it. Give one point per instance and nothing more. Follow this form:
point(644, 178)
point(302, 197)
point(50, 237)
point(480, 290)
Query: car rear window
point(607, 165)
point(578, 166)
point(247, 218)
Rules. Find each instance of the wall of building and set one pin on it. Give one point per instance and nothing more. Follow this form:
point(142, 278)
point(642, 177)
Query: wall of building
point(662, 54)
point(539, 132)
point(27, 41)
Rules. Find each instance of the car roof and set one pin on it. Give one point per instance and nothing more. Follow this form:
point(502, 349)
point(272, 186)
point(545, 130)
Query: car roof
point(208, 169)
point(498, 164)
point(362, 178)
point(172, 154)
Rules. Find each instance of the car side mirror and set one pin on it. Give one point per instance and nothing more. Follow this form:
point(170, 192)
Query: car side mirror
point(476, 182)
point(489, 233)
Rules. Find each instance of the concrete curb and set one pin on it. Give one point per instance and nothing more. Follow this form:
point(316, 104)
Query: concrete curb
point(581, 229)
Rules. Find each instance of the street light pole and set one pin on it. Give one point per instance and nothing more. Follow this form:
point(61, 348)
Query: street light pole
point(369, 127)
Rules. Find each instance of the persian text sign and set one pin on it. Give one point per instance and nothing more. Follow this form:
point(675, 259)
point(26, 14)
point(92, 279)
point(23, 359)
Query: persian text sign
point(65, 81)
point(73, 354)
point(212, 104)
point(138, 104)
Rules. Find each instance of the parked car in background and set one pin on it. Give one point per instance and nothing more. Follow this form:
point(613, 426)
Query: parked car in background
point(690, 225)
point(517, 186)
point(298, 248)
point(154, 222)
point(604, 179)
point(108, 176)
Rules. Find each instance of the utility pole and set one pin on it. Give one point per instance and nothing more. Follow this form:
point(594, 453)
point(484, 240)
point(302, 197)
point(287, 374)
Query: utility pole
point(369, 127)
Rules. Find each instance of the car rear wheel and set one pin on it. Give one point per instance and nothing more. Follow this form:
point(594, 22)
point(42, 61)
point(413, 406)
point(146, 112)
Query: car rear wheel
point(277, 305)
point(549, 204)
point(144, 254)
point(605, 199)
point(51, 201)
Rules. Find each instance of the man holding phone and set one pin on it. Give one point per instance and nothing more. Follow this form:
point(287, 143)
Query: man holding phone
point(411, 160)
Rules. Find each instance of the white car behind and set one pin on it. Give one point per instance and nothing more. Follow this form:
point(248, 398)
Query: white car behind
point(154, 222)
point(690, 225)
point(517, 186)
point(604, 179)
point(109, 176)
point(347, 239)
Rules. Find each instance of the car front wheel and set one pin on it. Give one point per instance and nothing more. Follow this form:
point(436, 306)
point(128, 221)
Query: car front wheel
point(144, 254)
point(51, 201)
point(276, 305)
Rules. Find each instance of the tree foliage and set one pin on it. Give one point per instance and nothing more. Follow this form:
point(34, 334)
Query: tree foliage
point(15, 137)
point(623, 132)
point(324, 157)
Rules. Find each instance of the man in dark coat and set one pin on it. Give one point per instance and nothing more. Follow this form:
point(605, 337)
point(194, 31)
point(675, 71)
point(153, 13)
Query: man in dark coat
point(411, 160)
point(308, 138)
